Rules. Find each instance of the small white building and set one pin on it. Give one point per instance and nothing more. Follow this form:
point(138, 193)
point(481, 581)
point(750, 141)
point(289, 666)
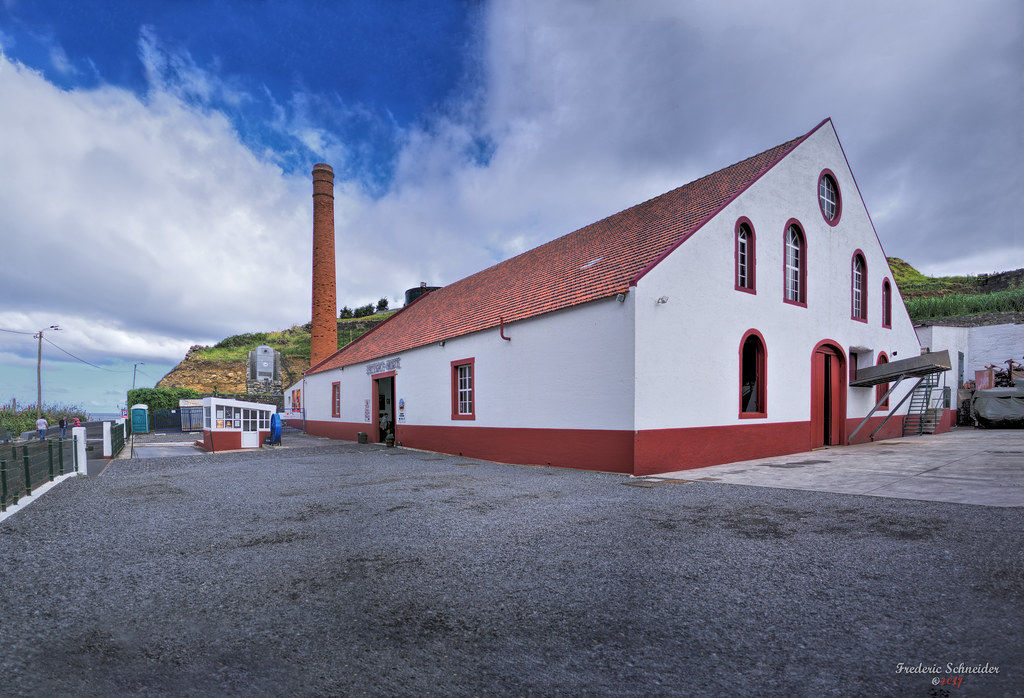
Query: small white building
point(717, 322)
point(972, 349)
point(233, 424)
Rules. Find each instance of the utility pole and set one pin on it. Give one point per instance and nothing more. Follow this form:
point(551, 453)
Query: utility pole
point(39, 371)
point(135, 367)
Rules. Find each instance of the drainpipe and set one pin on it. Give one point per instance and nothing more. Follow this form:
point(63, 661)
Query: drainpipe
point(501, 329)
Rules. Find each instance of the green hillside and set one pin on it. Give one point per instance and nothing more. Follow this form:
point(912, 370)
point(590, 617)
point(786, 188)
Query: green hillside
point(294, 341)
point(929, 297)
point(914, 284)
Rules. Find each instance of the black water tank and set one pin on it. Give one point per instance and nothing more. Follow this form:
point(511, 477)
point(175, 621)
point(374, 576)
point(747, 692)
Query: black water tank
point(414, 293)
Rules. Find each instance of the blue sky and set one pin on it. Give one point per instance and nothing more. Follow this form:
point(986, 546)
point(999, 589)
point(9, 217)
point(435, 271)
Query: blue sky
point(155, 156)
point(362, 72)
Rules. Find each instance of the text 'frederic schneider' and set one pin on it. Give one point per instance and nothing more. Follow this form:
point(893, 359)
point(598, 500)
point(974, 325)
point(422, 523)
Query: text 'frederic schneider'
point(949, 668)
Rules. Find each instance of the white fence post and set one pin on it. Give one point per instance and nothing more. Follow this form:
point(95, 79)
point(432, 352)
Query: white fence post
point(107, 449)
point(78, 434)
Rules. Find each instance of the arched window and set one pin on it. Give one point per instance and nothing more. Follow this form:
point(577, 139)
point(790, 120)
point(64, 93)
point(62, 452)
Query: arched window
point(886, 304)
point(859, 287)
point(882, 389)
point(746, 257)
point(795, 265)
point(829, 200)
point(753, 376)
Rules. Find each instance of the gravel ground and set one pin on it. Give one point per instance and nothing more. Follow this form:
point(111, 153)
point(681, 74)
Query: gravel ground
point(341, 569)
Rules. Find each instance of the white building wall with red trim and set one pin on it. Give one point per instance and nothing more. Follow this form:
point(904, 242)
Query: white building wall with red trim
point(688, 348)
point(569, 369)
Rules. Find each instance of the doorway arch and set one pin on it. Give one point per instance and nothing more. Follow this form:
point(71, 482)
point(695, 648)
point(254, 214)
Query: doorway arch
point(828, 394)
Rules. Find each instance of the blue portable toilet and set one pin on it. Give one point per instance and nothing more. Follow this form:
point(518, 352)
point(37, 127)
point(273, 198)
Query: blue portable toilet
point(140, 419)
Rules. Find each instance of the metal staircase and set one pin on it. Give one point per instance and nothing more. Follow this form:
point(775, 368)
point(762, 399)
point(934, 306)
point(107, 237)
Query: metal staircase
point(921, 418)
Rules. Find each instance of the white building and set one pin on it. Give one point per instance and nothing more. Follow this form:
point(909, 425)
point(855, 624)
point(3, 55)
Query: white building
point(717, 322)
point(972, 349)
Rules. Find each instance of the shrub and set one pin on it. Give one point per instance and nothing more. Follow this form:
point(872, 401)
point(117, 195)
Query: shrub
point(955, 304)
point(249, 340)
point(24, 419)
point(160, 398)
point(364, 310)
point(382, 305)
point(346, 312)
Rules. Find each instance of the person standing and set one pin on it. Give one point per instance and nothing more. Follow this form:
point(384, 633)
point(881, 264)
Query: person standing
point(63, 424)
point(41, 425)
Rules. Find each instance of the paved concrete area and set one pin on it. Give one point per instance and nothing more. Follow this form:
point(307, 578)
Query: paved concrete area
point(168, 449)
point(338, 569)
point(174, 444)
point(966, 466)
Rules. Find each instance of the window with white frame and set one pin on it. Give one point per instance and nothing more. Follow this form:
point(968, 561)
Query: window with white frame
point(744, 257)
point(858, 309)
point(886, 304)
point(794, 265)
point(828, 197)
point(465, 388)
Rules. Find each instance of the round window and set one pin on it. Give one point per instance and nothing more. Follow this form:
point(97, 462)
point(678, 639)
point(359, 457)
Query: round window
point(828, 197)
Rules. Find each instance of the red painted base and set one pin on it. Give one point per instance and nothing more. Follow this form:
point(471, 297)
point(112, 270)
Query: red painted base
point(665, 450)
point(647, 452)
point(590, 449)
point(227, 440)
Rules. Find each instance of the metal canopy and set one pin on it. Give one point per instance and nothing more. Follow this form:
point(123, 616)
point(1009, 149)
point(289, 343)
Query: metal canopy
point(914, 367)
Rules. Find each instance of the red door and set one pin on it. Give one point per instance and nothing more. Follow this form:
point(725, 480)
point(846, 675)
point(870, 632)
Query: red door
point(828, 391)
point(819, 370)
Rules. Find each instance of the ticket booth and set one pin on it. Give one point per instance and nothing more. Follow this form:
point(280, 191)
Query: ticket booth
point(233, 424)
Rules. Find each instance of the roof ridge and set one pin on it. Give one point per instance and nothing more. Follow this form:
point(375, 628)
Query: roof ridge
point(628, 208)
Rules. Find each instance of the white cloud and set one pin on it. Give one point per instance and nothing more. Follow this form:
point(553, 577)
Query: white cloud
point(144, 225)
point(59, 60)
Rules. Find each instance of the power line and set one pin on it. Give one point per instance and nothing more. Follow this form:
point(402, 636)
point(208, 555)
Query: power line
point(78, 358)
point(16, 331)
point(156, 380)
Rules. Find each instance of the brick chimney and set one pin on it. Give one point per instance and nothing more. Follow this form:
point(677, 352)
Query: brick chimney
point(325, 289)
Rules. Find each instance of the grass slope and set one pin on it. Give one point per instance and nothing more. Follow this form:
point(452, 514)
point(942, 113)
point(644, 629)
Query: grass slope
point(914, 284)
point(951, 296)
point(294, 341)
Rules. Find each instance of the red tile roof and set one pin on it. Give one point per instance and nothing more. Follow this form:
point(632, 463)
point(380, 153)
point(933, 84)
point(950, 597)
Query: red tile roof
point(563, 272)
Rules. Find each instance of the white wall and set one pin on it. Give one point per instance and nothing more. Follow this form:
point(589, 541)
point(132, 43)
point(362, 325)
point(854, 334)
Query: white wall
point(982, 346)
point(570, 369)
point(951, 339)
point(994, 344)
point(687, 350)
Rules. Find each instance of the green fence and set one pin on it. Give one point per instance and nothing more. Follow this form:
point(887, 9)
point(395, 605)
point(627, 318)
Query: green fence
point(27, 466)
point(116, 438)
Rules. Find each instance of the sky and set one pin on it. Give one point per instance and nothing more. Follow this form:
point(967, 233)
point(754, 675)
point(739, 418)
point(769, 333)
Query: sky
point(155, 157)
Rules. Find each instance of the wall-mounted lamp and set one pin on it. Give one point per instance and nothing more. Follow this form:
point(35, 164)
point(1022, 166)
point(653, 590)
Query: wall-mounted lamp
point(894, 353)
point(663, 300)
point(621, 298)
point(441, 343)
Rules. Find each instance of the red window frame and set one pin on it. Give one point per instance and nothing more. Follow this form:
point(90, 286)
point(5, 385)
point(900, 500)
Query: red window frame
point(336, 399)
point(802, 296)
point(761, 372)
point(886, 304)
point(751, 286)
point(471, 362)
point(882, 388)
point(839, 197)
point(863, 317)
